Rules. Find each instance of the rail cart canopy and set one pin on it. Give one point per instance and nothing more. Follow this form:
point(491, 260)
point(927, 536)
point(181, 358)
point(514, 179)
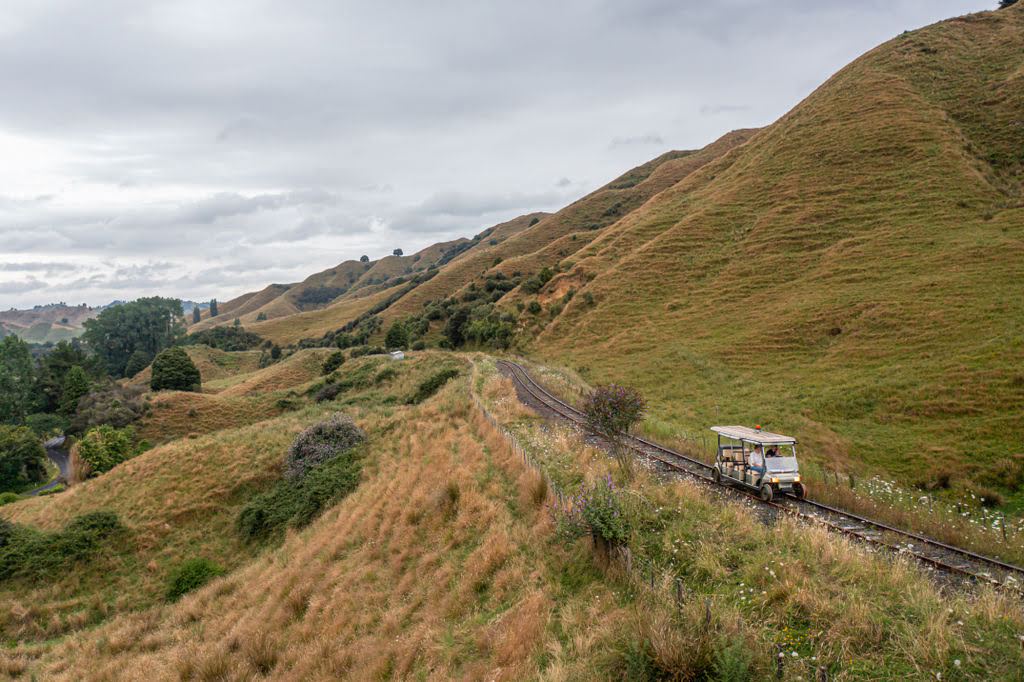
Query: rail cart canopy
point(749, 435)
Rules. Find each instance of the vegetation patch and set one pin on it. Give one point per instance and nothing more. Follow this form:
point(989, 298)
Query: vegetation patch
point(190, 575)
point(431, 385)
point(226, 338)
point(322, 466)
point(26, 552)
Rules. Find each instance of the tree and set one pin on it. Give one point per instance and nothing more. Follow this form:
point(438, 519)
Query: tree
point(147, 324)
point(1003, 4)
point(104, 447)
point(174, 370)
point(197, 315)
point(53, 369)
point(455, 328)
point(261, 316)
point(397, 336)
point(213, 307)
point(364, 259)
point(138, 361)
point(22, 457)
point(397, 252)
point(17, 380)
point(610, 412)
point(76, 385)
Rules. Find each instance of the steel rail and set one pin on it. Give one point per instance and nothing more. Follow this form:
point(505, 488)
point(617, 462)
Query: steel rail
point(559, 406)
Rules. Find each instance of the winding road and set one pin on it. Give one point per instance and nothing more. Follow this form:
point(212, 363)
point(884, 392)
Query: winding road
point(59, 456)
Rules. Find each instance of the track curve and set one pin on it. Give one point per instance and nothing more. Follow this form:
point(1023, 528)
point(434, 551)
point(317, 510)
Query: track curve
point(940, 556)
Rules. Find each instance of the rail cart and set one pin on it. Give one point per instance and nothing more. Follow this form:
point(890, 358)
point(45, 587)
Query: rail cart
point(755, 459)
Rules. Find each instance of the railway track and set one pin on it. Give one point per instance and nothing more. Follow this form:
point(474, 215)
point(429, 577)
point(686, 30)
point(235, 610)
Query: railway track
point(939, 556)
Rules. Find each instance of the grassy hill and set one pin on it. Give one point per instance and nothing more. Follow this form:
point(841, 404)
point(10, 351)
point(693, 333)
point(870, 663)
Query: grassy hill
point(46, 324)
point(850, 274)
point(448, 562)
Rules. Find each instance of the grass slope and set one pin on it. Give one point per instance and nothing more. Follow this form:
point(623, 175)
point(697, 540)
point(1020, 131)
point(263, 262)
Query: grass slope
point(850, 274)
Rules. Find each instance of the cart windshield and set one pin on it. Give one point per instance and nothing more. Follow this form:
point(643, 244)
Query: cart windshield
point(780, 464)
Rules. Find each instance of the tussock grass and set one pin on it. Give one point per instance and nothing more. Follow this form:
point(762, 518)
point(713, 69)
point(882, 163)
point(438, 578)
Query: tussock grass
point(866, 615)
point(404, 578)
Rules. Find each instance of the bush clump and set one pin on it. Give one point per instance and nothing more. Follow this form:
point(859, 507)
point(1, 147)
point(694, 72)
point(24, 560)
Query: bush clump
point(431, 385)
point(190, 575)
point(111, 404)
point(174, 370)
point(26, 552)
point(322, 467)
point(8, 497)
point(333, 362)
point(225, 338)
point(321, 442)
point(104, 447)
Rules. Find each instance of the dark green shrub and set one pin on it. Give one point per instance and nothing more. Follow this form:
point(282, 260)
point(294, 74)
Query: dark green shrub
point(534, 308)
point(22, 457)
point(26, 552)
point(104, 447)
point(297, 501)
point(321, 442)
point(7, 498)
point(138, 361)
point(386, 374)
point(46, 424)
point(190, 575)
point(419, 345)
point(226, 338)
point(330, 391)
point(431, 386)
point(333, 361)
point(174, 370)
point(366, 350)
point(397, 336)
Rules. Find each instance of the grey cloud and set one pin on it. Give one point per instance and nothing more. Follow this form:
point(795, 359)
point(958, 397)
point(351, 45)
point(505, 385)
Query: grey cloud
point(22, 286)
point(714, 109)
point(648, 139)
point(277, 139)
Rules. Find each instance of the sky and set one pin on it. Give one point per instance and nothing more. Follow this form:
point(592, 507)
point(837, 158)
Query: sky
point(205, 149)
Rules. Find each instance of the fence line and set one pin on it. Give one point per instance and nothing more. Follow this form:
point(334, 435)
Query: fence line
point(641, 573)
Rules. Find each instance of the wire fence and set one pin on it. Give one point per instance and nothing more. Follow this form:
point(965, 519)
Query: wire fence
point(642, 573)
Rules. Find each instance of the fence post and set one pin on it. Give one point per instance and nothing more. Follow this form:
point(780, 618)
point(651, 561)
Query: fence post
point(679, 591)
point(780, 660)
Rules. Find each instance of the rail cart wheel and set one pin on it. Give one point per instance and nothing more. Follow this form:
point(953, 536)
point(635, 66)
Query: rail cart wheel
point(716, 476)
point(799, 491)
point(766, 493)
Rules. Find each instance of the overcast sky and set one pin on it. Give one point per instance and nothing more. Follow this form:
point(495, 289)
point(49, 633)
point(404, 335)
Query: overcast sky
point(199, 149)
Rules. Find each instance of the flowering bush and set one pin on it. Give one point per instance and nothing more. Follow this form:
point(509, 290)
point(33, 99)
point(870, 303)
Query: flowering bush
point(321, 442)
point(595, 511)
point(612, 409)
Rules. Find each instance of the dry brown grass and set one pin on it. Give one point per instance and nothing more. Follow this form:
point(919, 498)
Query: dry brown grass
point(387, 584)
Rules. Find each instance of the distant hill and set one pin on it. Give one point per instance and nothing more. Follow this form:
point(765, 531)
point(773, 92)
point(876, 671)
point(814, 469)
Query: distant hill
point(47, 323)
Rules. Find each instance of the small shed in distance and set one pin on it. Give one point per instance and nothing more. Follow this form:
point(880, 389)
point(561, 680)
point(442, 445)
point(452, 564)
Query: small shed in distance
point(397, 355)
